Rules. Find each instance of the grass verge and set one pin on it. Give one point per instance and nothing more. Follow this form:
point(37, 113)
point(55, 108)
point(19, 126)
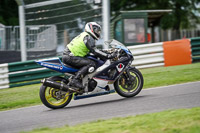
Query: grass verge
point(29, 95)
point(173, 121)
point(163, 76)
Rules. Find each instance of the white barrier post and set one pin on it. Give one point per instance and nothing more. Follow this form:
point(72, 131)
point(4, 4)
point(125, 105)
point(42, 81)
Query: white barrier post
point(4, 81)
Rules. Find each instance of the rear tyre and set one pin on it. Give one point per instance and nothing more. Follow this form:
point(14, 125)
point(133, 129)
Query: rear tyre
point(55, 98)
point(129, 86)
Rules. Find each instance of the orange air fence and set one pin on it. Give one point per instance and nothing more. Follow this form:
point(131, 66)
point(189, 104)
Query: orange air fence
point(177, 52)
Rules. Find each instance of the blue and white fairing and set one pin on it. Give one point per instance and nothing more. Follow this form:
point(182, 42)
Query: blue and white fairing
point(112, 71)
point(56, 64)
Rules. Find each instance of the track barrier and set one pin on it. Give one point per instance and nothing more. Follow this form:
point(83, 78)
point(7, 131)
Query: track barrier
point(195, 46)
point(23, 73)
point(177, 52)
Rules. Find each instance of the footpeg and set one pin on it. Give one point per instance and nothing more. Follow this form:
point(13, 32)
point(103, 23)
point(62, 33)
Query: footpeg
point(74, 89)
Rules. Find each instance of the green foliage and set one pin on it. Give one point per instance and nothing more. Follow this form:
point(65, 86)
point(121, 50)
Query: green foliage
point(173, 121)
point(184, 15)
point(2, 20)
point(8, 12)
point(167, 21)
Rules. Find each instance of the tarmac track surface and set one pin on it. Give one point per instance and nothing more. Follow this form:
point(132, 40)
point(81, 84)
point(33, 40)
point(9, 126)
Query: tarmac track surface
point(103, 107)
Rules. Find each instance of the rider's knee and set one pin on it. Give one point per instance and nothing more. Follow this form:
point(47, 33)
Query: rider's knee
point(92, 67)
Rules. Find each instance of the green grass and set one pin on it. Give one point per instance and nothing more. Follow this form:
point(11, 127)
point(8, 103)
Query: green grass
point(163, 76)
point(173, 121)
point(19, 97)
point(29, 95)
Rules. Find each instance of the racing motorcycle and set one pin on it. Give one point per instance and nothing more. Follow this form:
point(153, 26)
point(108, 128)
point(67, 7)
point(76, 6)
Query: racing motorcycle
point(111, 75)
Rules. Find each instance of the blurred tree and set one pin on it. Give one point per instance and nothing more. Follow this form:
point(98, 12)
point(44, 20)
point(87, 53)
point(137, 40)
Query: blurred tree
point(185, 13)
point(9, 12)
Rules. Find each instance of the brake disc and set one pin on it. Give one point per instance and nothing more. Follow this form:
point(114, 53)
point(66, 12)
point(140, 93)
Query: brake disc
point(57, 94)
point(132, 82)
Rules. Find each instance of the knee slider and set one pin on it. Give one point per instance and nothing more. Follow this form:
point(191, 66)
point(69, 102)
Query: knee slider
point(92, 67)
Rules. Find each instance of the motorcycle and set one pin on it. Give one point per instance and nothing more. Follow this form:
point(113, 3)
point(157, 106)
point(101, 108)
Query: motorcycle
point(111, 75)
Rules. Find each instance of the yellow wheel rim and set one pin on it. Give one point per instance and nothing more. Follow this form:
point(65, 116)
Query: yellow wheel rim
point(50, 97)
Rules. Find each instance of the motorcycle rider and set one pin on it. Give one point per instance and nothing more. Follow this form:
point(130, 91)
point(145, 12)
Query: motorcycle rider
point(76, 51)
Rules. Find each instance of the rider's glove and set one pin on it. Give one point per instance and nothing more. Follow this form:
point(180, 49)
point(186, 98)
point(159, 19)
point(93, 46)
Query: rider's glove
point(113, 55)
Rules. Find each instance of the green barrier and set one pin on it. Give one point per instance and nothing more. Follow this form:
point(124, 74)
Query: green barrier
point(20, 66)
point(23, 84)
point(26, 73)
point(195, 59)
point(196, 53)
point(27, 76)
point(195, 39)
point(196, 49)
point(195, 46)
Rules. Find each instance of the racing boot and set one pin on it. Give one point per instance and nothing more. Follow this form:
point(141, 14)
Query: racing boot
point(76, 82)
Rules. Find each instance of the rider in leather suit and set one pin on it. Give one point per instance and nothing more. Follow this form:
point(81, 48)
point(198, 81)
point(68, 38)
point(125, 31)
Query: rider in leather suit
point(75, 52)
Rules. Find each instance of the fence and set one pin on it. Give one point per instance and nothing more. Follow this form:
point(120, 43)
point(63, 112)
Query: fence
point(38, 38)
point(169, 35)
point(41, 42)
point(2, 37)
point(49, 26)
point(69, 16)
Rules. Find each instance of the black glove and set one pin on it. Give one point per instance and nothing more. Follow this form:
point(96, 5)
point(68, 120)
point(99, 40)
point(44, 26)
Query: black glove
point(113, 55)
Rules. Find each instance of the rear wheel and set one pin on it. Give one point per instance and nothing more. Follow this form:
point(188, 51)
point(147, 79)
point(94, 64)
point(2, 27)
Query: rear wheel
point(55, 98)
point(130, 83)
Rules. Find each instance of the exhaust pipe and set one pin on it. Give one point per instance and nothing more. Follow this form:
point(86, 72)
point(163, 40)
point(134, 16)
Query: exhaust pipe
point(55, 85)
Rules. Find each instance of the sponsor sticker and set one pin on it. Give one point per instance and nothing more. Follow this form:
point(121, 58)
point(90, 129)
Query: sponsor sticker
point(120, 67)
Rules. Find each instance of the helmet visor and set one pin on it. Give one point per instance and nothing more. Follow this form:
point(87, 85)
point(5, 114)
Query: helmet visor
point(97, 30)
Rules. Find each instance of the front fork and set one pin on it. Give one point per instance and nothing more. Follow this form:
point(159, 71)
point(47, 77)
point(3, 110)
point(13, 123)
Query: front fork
point(126, 72)
point(128, 75)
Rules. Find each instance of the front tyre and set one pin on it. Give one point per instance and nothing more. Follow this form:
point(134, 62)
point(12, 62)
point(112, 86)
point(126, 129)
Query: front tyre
point(130, 83)
point(54, 98)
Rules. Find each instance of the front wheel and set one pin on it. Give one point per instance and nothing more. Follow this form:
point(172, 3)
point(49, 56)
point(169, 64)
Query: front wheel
point(130, 83)
point(54, 98)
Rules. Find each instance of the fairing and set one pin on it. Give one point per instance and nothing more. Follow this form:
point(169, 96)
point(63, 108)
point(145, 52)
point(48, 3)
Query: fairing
point(57, 65)
point(115, 44)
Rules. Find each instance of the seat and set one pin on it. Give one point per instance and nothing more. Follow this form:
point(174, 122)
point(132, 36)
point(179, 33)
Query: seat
point(70, 66)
